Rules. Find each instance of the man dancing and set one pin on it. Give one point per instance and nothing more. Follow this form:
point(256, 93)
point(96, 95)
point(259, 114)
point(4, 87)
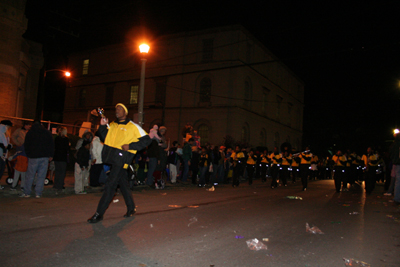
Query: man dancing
point(122, 140)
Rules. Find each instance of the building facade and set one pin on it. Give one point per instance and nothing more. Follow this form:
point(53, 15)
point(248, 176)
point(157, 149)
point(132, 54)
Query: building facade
point(20, 62)
point(222, 81)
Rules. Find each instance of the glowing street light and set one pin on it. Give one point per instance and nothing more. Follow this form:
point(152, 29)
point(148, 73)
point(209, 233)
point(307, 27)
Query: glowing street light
point(396, 131)
point(144, 49)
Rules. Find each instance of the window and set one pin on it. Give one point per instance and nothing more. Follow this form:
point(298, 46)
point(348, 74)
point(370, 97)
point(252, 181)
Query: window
point(22, 81)
point(85, 67)
point(208, 49)
point(109, 95)
point(265, 100)
point(203, 132)
point(205, 90)
point(290, 106)
point(245, 134)
point(161, 88)
point(82, 98)
point(133, 95)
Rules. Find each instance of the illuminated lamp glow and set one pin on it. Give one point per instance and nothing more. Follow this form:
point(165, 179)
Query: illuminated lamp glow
point(144, 48)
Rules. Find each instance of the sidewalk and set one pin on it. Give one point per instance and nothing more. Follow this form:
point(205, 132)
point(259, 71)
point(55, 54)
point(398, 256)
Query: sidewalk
point(69, 187)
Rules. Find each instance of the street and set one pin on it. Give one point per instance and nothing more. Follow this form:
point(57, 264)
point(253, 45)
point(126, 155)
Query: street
point(190, 226)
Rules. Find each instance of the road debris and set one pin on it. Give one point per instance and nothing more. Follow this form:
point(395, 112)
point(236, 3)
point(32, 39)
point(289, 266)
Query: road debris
point(239, 236)
point(354, 213)
point(265, 239)
point(255, 244)
point(355, 263)
point(212, 188)
point(313, 230)
point(115, 200)
point(192, 220)
point(294, 197)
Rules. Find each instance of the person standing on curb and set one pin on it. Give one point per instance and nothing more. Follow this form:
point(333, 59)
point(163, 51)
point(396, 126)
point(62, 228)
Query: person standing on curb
point(122, 140)
point(61, 153)
point(39, 147)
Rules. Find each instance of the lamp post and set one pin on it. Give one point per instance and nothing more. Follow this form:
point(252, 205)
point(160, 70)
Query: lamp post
point(41, 91)
point(144, 49)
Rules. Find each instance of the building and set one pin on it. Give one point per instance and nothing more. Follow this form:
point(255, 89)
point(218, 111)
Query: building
point(221, 80)
point(20, 63)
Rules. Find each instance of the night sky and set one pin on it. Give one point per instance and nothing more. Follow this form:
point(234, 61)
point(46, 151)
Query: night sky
point(346, 52)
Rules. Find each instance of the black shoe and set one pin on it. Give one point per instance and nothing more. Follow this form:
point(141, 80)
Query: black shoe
point(95, 218)
point(130, 213)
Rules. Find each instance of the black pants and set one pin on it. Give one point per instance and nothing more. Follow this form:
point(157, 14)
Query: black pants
point(264, 168)
point(285, 174)
point(195, 171)
point(339, 177)
point(250, 172)
point(274, 174)
point(59, 174)
point(370, 179)
point(237, 172)
point(295, 173)
point(304, 171)
point(118, 176)
point(95, 172)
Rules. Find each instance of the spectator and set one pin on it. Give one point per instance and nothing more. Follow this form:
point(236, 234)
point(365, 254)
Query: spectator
point(20, 167)
point(4, 145)
point(81, 167)
point(172, 160)
point(61, 154)
point(18, 136)
point(187, 156)
point(97, 163)
point(39, 147)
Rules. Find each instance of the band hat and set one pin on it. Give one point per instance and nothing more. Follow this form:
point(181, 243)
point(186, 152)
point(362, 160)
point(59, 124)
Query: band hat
point(123, 106)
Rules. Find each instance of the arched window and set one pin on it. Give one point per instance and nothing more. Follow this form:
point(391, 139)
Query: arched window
point(205, 90)
point(203, 132)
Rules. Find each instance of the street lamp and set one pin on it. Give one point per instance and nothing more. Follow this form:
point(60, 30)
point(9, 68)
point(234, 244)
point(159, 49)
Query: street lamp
point(144, 49)
point(41, 91)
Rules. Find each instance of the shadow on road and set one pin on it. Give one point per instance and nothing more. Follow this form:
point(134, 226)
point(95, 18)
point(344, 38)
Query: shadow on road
point(103, 248)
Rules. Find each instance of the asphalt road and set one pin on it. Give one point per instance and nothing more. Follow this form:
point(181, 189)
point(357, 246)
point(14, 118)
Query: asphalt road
point(189, 226)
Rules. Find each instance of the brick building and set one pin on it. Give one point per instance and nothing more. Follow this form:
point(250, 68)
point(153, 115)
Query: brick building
point(20, 62)
point(221, 80)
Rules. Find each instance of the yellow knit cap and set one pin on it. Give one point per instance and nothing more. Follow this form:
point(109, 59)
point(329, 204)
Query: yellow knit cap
point(123, 106)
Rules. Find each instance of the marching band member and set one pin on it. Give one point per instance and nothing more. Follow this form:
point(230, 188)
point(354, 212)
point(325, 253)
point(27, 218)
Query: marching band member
point(370, 164)
point(264, 166)
point(339, 161)
point(251, 165)
point(276, 160)
point(305, 164)
point(295, 166)
point(286, 163)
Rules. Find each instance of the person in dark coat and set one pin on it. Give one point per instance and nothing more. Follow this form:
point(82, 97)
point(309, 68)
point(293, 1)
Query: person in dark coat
point(61, 153)
point(39, 147)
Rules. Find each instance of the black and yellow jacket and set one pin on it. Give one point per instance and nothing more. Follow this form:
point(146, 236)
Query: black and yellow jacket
point(121, 133)
point(286, 161)
point(251, 160)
